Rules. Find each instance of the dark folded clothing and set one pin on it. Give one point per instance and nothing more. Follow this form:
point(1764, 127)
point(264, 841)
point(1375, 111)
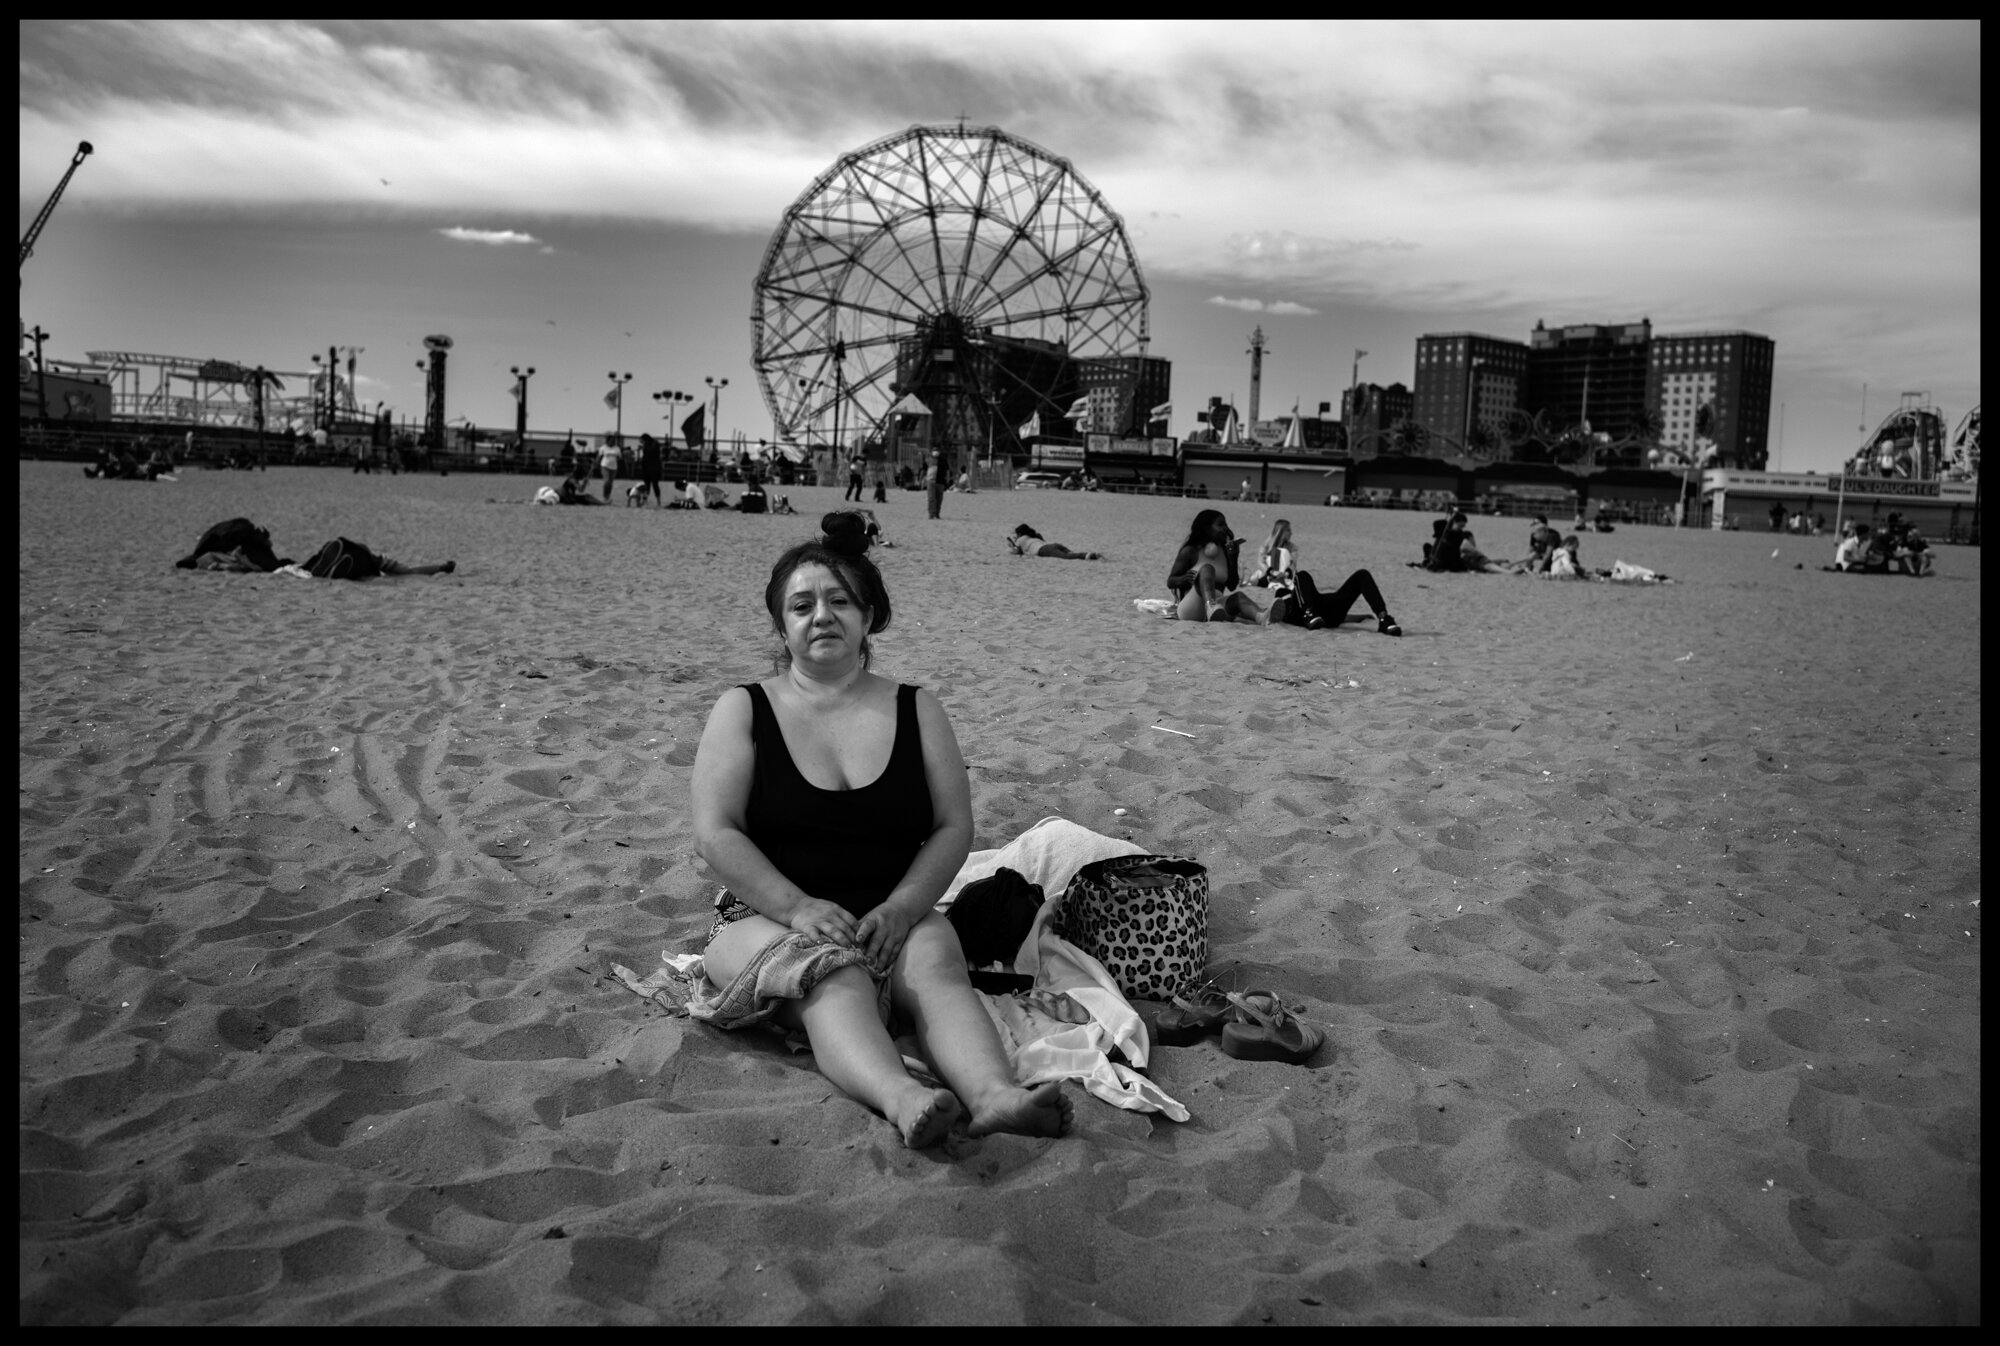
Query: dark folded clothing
point(993, 917)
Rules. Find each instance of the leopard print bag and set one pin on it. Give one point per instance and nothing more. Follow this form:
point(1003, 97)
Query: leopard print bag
point(1145, 917)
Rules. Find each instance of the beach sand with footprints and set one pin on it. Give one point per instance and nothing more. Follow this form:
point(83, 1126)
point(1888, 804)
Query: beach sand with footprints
point(1642, 924)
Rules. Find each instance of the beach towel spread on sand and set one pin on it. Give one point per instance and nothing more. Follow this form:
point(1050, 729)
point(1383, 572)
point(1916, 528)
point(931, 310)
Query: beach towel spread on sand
point(1039, 1046)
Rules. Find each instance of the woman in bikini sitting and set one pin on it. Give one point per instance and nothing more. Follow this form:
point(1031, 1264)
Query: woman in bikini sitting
point(1203, 578)
point(834, 804)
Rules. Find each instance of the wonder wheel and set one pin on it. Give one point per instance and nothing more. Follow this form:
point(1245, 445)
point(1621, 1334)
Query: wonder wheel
point(959, 272)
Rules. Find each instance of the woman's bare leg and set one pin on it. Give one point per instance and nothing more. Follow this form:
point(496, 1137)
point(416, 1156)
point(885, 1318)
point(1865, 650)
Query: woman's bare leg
point(930, 985)
point(1240, 608)
point(1203, 598)
point(849, 1043)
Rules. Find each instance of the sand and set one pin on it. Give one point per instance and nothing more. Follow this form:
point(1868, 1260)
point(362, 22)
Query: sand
point(1643, 925)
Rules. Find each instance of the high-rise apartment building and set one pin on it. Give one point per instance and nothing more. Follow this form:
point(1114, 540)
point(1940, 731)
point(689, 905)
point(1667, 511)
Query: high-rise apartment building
point(1369, 411)
point(1591, 375)
point(1465, 379)
point(1608, 378)
point(1124, 389)
point(1729, 372)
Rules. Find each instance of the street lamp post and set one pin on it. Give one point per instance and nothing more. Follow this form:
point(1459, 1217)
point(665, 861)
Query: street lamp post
point(715, 412)
point(617, 400)
point(808, 389)
point(839, 393)
point(521, 377)
point(38, 336)
point(670, 403)
point(1471, 390)
point(1354, 397)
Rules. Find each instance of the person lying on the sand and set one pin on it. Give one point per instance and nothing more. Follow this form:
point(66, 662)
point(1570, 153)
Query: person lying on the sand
point(1018, 544)
point(834, 804)
point(1300, 602)
point(345, 559)
point(1203, 577)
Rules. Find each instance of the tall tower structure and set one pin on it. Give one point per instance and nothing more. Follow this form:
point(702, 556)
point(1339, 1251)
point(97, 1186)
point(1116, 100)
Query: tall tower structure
point(438, 346)
point(1256, 370)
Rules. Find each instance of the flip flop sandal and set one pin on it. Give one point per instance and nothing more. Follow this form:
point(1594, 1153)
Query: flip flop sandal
point(1185, 1022)
point(1262, 1029)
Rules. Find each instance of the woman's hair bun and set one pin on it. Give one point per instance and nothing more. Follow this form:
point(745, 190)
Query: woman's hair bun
point(845, 533)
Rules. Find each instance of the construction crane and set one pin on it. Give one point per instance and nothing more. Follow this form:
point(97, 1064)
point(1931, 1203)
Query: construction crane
point(35, 229)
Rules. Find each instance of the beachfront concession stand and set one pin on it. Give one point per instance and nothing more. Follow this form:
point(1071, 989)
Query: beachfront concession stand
point(1942, 509)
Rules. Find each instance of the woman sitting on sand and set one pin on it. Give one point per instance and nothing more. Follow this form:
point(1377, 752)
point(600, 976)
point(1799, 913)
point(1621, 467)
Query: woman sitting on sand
point(1300, 602)
point(1203, 578)
point(575, 489)
point(1275, 562)
point(1018, 544)
point(834, 804)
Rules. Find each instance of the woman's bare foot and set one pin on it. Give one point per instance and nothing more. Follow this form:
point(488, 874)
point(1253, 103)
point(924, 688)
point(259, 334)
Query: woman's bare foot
point(925, 1117)
point(1044, 1110)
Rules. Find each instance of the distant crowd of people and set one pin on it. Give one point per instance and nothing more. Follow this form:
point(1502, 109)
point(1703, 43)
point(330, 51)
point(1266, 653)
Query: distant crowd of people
point(1551, 554)
point(1896, 548)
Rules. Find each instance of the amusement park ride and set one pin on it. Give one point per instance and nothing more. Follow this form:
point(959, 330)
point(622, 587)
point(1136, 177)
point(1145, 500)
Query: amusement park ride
point(950, 271)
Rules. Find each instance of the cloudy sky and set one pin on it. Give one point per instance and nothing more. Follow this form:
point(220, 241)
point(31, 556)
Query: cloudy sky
point(593, 197)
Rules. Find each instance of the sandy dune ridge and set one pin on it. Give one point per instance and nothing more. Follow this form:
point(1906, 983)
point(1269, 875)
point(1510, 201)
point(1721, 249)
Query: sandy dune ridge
point(1643, 925)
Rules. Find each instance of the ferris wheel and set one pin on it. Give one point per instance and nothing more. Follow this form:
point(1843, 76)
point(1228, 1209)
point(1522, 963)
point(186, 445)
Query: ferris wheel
point(954, 271)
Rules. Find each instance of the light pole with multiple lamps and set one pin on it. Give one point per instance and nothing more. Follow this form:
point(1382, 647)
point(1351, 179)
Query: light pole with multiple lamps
point(669, 406)
point(521, 377)
point(616, 397)
point(715, 413)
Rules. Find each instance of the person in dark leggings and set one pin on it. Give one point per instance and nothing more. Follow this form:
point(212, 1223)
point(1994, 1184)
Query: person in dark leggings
point(1315, 610)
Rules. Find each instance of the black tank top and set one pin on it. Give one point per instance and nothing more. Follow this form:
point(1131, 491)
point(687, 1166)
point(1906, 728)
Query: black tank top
point(846, 846)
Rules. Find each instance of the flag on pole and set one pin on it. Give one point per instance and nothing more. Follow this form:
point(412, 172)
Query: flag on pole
point(1079, 409)
point(1361, 355)
point(1031, 427)
point(514, 391)
point(611, 399)
point(1161, 412)
point(694, 428)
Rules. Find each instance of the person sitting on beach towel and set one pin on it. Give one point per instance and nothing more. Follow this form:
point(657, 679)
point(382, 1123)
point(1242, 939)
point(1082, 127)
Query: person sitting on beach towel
point(239, 537)
point(1018, 544)
point(834, 804)
point(1203, 576)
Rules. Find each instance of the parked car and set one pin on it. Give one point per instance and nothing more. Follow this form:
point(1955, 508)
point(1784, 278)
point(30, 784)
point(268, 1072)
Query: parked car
point(1041, 481)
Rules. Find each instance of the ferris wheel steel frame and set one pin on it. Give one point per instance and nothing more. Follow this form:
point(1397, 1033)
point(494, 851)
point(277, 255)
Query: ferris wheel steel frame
point(924, 253)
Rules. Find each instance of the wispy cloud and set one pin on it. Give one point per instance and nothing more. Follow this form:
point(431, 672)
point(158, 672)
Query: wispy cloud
point(497, 238)
point(1282, 307)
